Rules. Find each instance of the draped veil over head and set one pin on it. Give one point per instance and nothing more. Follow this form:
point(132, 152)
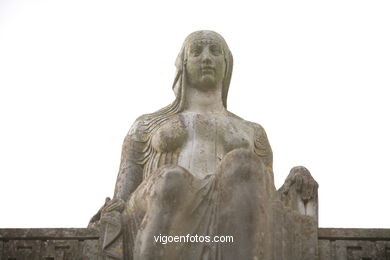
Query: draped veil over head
point(181, 60)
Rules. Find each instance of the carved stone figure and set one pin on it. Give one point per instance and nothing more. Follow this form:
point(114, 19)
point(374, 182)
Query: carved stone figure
point(195, 168)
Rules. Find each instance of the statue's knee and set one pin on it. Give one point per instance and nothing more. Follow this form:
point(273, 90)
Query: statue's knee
point(238, 154)
point(241, 165)
point(174, 174)
point(171, 181)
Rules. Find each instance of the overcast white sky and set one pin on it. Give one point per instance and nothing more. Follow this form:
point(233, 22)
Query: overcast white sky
point(75, 74)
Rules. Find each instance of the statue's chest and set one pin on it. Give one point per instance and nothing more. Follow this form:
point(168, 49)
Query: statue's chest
point(199, 142)
point(226, 133)
point(202, 134)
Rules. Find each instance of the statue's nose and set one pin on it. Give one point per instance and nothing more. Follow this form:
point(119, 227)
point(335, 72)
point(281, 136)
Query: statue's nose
point(206, 56)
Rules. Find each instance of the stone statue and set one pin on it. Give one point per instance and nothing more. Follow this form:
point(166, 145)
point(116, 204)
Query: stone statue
point(195, 168)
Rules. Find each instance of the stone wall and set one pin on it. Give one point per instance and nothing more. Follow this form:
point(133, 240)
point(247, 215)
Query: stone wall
point(82, 244)
point(48, 244)
point(354, 244)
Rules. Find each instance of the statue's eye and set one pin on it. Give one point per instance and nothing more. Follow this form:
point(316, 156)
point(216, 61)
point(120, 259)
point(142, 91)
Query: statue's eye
point(215, 50)
point(196, 51)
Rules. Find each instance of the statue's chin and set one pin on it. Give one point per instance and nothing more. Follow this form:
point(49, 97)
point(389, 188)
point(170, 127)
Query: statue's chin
point(207, 82)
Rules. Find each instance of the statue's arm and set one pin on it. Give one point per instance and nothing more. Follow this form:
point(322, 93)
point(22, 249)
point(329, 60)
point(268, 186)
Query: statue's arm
point(130, 173)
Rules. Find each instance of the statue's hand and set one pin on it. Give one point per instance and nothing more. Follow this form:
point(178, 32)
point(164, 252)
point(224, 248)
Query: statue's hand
point(115, 204)
point(299, 192)
point(305, 185)
point(110, 205)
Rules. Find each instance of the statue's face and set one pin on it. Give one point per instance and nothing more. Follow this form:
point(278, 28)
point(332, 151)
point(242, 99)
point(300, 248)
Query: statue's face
point(205, 63)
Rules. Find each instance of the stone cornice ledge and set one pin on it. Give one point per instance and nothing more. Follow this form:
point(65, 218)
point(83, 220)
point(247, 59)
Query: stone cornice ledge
point(372, 234)
point(48, 233)
point(86, 233)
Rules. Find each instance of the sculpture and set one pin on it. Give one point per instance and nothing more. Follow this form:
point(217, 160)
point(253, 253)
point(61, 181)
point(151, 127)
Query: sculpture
point(195, 168)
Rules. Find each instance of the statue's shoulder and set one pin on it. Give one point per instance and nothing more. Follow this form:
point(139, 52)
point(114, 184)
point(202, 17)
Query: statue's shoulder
point(261, 143)
point(255, 126)
point(258, 129)
point(139, 129)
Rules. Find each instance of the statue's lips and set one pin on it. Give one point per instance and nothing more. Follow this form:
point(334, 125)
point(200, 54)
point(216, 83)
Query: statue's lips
point(208, 69)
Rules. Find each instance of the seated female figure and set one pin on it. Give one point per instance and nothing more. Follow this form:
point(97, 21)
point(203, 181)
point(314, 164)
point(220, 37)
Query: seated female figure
point(193, 168)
